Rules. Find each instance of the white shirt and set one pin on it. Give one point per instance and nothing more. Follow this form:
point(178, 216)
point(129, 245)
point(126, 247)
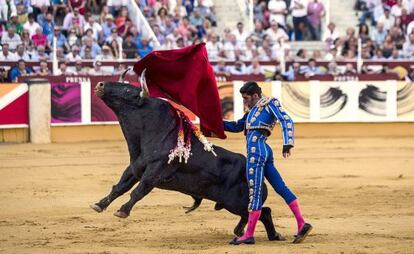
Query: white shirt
point(408, 5)
point(10, 57)
point(396, 11)
point(40, 3)
point(330, 35)
point(117, 2)
point(300, 12)
point(241, 37)
point(410, 27)
point(276, 35)
point(13, 42)
point(213, 50)
point(277, 6)
point(31, 27)
point(96, 28)
point(388, 22)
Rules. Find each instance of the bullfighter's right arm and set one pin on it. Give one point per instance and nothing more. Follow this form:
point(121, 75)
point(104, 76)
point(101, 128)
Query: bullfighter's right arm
point(235, 126)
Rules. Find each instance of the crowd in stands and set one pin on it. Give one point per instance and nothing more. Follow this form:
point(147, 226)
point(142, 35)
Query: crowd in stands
point(100, 30)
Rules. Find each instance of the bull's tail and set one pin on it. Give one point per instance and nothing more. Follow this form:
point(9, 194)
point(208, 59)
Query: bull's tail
point(196, 204)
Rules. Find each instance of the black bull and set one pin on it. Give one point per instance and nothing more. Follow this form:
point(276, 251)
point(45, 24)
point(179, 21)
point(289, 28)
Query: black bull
point(150, 129)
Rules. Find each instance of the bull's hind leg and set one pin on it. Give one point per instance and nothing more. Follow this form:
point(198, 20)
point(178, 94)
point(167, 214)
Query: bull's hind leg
point(127, 181)
point(266, 219)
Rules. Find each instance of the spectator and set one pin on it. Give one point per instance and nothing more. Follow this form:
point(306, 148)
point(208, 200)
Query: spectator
point(129, 48)
point(293, 71)
point(115, 6)
point(144, 48)
point(48, 27)
point(316, 11)
point(408, 47)
point(239, 68)
point(302, 55)
point(114, 36)
point(43, 69)
point(214, 47)
point(299, 14)
point(410, 76)
point(60, 54)
point(278, 11)
point(6, 55)
point(14, 22)
point(11, 38)
point(330, 35)
point(333, 69)
point(396, 55)
point(97, 70)
point(317, 55)
point(106, 53)
point(95, 50)
point(388, 46)
point(196, 19)
point(333, 55)
point(248, 50)
point(79, 70)
point(311, 69)
point(4, 10)
point(379, 34)
point(115, 48)
point(276, 33)
point(159, 35)
point(396, 10)
point(349, 69)
point(78, 4)
point(4, 75)
point(379, 55)
point(59, 6)
point(74, 20)
point(40, 54)
point(185, 28)
point(258, 33)
point(21, 53)
point(387, 19)
point(255, 68)
point(63, 70)
point(39, 5)
point(364, 32)
point(119, 69)
point(406, 19)
point(26, 40)
point(40, 18)
point(410, 28)
point(74, 54)
point(19, 70)
point(221, 68)
point(95, 26)
point(73, 38)
point(408, 5)
point(370, 11)
point(229, 48)
point(39, 39)
point(31, 25)
point(240, 34)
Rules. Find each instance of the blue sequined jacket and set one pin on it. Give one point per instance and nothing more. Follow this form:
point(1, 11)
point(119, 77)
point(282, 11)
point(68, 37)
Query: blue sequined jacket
point(263, 116)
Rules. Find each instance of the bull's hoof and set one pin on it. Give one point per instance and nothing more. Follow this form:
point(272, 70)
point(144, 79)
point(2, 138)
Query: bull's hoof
point(121, 214)
point(96, 208)
point(277, 237)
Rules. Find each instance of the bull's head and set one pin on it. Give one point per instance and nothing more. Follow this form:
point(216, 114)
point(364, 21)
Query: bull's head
point(118, 94)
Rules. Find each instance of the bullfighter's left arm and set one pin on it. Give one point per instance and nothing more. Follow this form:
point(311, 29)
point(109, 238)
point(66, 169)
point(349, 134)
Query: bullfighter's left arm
point(285, 122)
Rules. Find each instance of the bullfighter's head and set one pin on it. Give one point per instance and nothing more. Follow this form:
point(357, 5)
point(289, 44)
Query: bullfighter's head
point(118, 94)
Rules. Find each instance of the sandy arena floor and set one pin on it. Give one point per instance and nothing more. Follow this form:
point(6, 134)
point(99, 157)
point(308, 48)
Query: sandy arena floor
point(358, 194)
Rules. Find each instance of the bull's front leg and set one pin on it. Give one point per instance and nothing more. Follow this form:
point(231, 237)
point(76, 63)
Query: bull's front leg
point(127, 181)
point(148, 181)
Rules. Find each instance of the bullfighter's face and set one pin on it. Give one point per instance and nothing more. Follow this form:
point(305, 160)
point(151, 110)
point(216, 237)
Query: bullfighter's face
point(250, 100)
point(117, 94)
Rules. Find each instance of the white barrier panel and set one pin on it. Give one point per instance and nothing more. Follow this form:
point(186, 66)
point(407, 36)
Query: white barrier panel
point(39, 111)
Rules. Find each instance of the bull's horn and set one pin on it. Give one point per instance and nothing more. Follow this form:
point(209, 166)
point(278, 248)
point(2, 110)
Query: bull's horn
point(144, 87)
point(122, 77)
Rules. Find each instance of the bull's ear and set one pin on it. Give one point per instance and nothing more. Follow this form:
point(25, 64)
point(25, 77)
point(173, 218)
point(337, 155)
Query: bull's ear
point(144, 87)
point(122, 77)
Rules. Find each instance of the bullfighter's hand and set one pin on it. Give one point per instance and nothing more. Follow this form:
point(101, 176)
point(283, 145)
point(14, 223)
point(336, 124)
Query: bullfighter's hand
point(286, 151)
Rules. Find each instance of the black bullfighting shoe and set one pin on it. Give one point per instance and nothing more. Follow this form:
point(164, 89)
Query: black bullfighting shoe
point(304, 232)
point(236, 241)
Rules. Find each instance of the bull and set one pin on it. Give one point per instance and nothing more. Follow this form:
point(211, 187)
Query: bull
point(150, 129)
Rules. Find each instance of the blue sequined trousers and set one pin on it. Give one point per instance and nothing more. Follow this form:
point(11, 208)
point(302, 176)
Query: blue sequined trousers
point(260, 164)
